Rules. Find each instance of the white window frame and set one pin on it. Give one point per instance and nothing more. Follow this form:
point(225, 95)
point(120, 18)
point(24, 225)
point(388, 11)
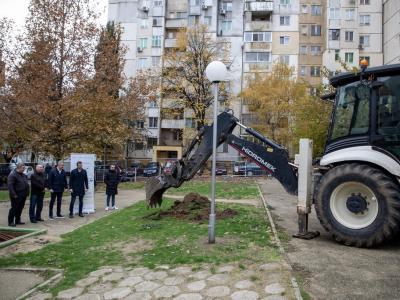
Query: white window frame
point(156, 41)
point(143, 43)
point(258, 55)
point(157, 3)
point(142, 63)
point(284, 20)
point(347, 57)
point(285, 39)
point(319, 10)
point(318, 31)
point(365, 2)
point(153, 122)
point(302, 48)
point(266, 36)
point(315, 71)
point(303, 70)
point(366, 40)
point(350, 14)
point(349, 36)
point(334, 13)
point(155, 61)
point(315, 50)
point(365, 20)
point(225, 27)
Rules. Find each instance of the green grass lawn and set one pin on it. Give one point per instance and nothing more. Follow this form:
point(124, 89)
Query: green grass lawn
point(242, 239)
point(224, 189)
point(101, 187)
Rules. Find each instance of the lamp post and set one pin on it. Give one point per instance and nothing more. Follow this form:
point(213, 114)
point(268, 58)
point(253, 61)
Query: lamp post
point(215, 72)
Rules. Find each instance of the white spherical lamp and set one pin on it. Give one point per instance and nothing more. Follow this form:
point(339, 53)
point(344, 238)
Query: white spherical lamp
point(216, 71)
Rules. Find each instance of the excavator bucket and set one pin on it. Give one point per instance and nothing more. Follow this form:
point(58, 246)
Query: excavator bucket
point(155, 188)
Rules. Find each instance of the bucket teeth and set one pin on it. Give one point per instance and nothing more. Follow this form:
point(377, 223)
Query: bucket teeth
point(155, 188)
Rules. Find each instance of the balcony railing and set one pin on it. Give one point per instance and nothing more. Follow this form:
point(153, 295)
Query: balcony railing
point(170, 43)
point(258, 26)
point(258, 46)
point(174, 124)
point(258, 67)
point(176, 23)
point(195, 10)
point(259, 6)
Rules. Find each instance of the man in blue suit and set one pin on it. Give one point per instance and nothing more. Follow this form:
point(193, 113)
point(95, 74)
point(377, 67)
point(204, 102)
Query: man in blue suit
point(57, 185)
point(78, 185)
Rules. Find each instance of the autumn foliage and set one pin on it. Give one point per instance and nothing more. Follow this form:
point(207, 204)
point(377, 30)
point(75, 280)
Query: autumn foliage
point(64, 79)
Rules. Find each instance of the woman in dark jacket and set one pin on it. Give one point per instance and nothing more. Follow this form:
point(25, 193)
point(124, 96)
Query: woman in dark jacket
point(111, 180)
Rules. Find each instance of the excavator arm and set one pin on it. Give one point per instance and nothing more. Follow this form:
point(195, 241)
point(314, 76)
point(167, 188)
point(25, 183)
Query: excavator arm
point(267, 154)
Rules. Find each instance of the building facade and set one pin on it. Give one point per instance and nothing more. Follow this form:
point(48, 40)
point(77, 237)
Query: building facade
point(306, 34)
point(391, 31)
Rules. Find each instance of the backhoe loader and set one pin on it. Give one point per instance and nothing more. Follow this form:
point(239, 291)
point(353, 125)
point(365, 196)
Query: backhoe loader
point(356, 190)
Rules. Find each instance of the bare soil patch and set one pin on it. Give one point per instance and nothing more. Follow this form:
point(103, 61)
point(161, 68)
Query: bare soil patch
point(194, 207)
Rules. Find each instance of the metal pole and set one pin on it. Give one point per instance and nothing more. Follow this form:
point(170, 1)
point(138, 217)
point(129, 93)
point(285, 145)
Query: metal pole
point(211, 224)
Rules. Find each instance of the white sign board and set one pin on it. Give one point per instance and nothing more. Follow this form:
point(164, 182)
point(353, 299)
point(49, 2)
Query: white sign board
point(88, 164)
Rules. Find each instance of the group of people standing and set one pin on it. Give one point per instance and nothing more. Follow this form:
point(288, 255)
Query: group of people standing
point(55, 181)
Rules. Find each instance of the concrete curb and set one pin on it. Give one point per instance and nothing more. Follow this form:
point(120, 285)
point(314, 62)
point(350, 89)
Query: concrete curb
point(293, 280)
point(32, 232)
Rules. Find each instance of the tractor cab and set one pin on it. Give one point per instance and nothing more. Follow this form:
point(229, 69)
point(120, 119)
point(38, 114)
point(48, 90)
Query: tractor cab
point(367, 111)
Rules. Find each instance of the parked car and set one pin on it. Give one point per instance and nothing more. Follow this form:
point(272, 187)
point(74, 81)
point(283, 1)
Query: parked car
point(221, 170)
point(152, 169)
point(139, 167)
point(168, 167)
point(247, 168)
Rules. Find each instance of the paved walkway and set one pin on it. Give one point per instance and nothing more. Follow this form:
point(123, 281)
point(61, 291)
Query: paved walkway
point(267, 282)
point(60, 226)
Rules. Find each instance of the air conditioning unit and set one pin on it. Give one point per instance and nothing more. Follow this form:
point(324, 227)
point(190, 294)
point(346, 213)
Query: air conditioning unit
point(204, 6)
point(145, 8)
point(139, 49)
point(222, 11)
point(360, 47)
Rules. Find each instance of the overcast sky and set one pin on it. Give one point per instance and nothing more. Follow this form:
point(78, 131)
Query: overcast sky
point(18, 10)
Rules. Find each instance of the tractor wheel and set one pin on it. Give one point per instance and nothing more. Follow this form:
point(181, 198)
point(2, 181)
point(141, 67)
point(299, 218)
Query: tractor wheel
point(359, 205)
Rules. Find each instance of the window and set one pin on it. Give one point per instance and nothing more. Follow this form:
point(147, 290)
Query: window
point(156, 41)
point(284, 59)
point(334, 34)
point(155, 61)
point(193, 20)
point(337, 55)
point(364, 40)
point(180, 15)
point(316, 30)
point(258, 56)
point(194, 2)
point(144, 23)
point(284, 40)
point(349, 57)
point(315, 50)
point(285, 2)
point(351, 113)
point(315, 71)
point(334, 13)
point(349, 36)
point(151, 142)
point(227, 6)
point(303, 49)
point(364, 2)
point(157, 22)
point(303, 70)
point(143, 43)
point(190, 123)
point(304, 9)
point(140, 124)
point(142, 63)
point(207, 20)
point(350, 12)
point(158, 3)
point(265, 36)
point(365, 20)
point(284, 20)
point(153, 122)
point(316, 10)
point(226, 26)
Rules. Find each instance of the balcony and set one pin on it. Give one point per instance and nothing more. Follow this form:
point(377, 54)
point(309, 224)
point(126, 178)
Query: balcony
point(258, 26)
point(176, 23)
point(259, 6)
point(258, 67)
point(174, 124)
point(195, 10)
point(257, 46)
point(170, 43)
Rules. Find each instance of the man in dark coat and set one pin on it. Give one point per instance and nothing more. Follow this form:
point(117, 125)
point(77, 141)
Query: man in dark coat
point(38, 185)
point(111, 180)
point(57, 185)
point(18, 188)
point(78, 185)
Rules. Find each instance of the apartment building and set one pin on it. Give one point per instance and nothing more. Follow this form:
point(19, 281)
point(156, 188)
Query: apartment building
point(354, 32)
point(306, 34)
point(391, 31)
point(312, 35)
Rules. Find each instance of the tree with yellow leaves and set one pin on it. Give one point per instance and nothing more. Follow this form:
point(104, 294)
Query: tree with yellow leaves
point(284, 108)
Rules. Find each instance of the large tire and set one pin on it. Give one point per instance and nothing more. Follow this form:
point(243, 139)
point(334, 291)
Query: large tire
point(379, 223)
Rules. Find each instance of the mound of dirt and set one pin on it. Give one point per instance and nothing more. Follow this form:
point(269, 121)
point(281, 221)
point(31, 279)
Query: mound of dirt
point(194, 207)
